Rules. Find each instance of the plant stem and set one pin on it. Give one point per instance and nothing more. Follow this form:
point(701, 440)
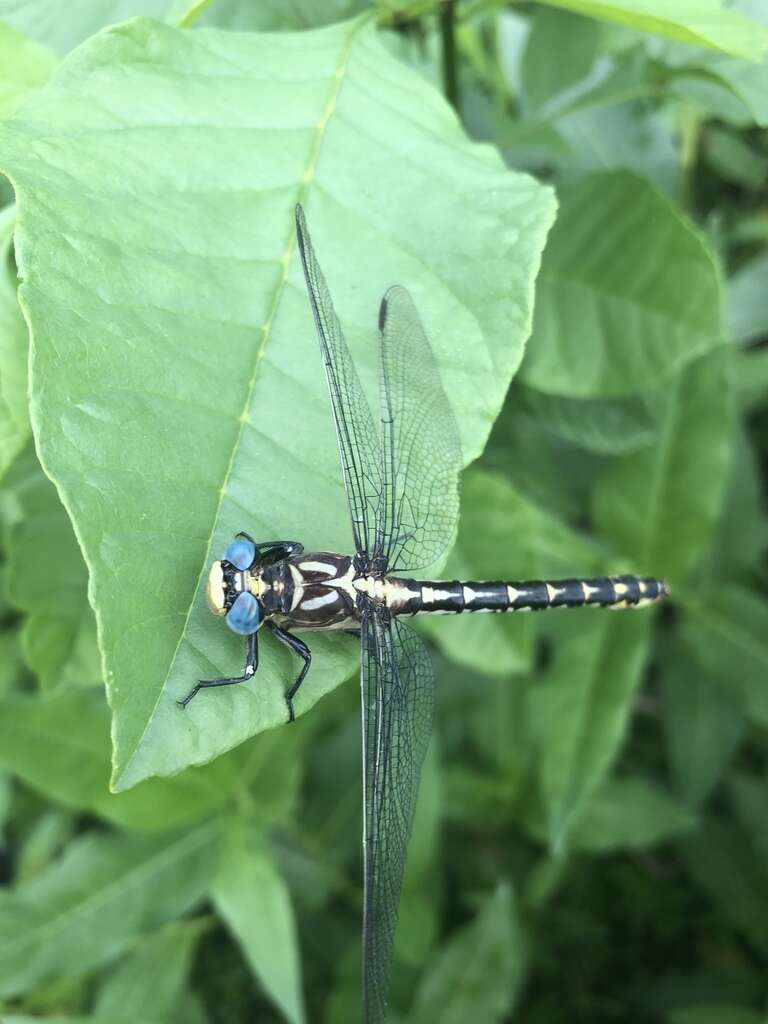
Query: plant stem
point(448, 37)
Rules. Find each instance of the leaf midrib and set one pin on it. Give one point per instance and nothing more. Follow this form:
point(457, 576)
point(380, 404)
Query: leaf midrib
point(305, 181)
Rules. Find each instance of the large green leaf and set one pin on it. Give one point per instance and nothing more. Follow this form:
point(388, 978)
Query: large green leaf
point(276, 15)
point(659, 505)
point(59, 633)
point(73, 730)
point(177, 386)
point(149, 981)
point(703, 723)
point(63, 26)
point(477, 974)
point(104, 892)
point(542, 77)
point(251, 896)
point(14, 414)
point(502, 535)
point(628, 292)
point(630, 813)
point(579, 712)
point(726, 630)
point(24, 66)
point(701, 22)
point(748, 301)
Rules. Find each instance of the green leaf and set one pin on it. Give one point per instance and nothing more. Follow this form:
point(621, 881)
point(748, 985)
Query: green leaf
point(751, 378)
point(723, 863)
point(59, 634)
point(178, 393)
point(749, 797)
point(700, 22)
point(251, 896)
point(502, 535)
point(579, 712)
point(630, 814)
point(608, 426)
point(542, 77)
point(714, 1013)
point(101, 896)
point(278, 15)
point(477, 974)
point(703, 724)
point(628, 292)
point(659, 506)
point(24, 67)
point(14, 414)
point(73, 730)
point(62, 26)
point(616, 136)
point(748, 82)
point(733, 159)
point(726, 631)
point(149, 981)
point(740, 537)
point(748, 301)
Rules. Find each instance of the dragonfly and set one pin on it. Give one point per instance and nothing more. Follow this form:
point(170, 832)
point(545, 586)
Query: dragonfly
point(401, 473)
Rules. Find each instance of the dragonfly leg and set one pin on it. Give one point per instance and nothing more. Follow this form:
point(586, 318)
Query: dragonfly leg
point(251, 664)
point(300, 648)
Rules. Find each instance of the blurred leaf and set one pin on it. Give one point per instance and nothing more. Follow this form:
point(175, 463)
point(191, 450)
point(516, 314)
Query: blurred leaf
point(73, 730)
point(724, 864)
point(11, 665)
point(740, 538)
point(543, 78)
point(502, 535)
point(703, 724)
point(751, 378)
point(700, 22)
point(630, 813)
point(733, 159)
point(477, 974)
point(15, 1018)
point(149, 980)
point(748, 301)
point(726, 631)
point(278, 15)
point(419, 903)
point(252, 898)
point(659, 506)
point(750, 798)
point(749, 82)
point(62, 26)
point(580, 709)
point(714, 1013)
point(116, 429)
point(24, 66)
point(628, 292)
point(48, 834)
point(14, 415)
point(102, 894)
point(59, 634)
point(609, 426)
point(620, 137)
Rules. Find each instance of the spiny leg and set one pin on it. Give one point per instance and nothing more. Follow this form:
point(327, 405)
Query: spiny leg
point(300, 648)
point(251, 664)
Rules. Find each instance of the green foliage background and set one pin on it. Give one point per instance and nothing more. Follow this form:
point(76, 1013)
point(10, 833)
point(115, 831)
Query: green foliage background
point(586, 239)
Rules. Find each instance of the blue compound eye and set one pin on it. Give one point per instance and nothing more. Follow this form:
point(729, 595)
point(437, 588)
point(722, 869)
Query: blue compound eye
point(241, 553)
point(243, 616)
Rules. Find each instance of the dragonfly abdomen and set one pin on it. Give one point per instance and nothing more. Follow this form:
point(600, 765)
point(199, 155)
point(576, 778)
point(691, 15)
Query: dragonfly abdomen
point(413, 597)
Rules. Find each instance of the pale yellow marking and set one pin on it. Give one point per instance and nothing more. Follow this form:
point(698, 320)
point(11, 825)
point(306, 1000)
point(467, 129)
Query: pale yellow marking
point(643, 586)
point(298, 586)
point(585, 591)
point(469, 595)
point(620, 588)
point(513, 594)
point(325, 567)
point(214, 592)
point(552, 593)
point(318, 602)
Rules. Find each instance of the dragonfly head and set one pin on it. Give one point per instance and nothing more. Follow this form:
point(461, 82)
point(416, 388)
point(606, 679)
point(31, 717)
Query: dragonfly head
point(228, 593)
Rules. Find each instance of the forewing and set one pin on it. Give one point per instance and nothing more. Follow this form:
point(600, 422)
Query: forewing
point(397, 692)
point(421, 451)
point(358, 440)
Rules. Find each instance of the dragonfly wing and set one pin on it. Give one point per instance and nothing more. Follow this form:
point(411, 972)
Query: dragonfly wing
point(358, 439)
point(421, 450)
point(398, 695)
